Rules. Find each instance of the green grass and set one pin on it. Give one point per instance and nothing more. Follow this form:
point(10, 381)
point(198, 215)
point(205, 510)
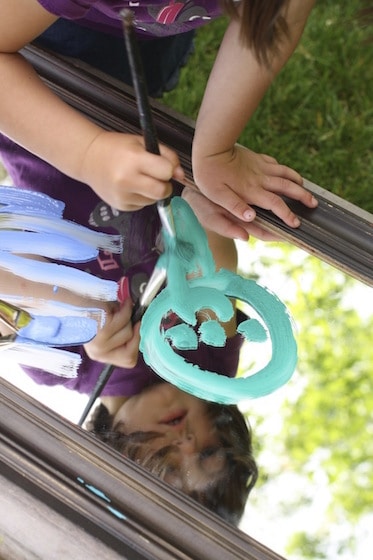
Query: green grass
point(318, 115)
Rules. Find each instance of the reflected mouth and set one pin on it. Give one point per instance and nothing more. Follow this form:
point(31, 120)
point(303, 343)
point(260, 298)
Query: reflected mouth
point(174, 418)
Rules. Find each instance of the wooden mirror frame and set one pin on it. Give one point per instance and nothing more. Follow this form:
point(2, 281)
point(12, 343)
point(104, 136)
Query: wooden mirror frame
point(120, 503)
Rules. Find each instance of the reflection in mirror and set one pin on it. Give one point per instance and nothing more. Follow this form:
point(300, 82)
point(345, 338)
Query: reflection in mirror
point(308, 434)
point(201, 448)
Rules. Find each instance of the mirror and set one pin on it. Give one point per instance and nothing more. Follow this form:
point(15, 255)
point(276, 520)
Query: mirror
point(326, 313)
point(333, 315)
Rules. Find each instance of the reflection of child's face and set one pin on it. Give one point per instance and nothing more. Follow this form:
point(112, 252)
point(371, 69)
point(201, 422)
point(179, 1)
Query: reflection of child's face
point(182, 422)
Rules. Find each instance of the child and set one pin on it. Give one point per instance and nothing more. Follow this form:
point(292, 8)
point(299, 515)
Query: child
point(203, 449)
point(259, 39)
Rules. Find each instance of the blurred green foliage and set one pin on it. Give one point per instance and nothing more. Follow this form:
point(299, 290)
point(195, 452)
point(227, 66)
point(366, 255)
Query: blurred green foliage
point(327, 416)
point(317, 116)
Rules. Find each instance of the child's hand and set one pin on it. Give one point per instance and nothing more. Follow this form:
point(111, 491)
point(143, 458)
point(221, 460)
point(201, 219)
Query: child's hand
point(240, 177)
point(215, 218)
point(118, 341)
point(121, 172)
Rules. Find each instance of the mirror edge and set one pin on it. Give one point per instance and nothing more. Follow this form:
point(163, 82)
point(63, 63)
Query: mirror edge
point(117, 501)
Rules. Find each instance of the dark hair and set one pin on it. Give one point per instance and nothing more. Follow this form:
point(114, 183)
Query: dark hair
point(263, 25)
point(227, 494)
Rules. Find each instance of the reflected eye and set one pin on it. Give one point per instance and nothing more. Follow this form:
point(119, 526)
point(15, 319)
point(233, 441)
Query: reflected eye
point(207, 452)
point(173, 476)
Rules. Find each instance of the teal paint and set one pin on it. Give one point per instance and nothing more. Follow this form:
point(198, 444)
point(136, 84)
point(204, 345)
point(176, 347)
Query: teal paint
point(194, 286)
point(103, 497)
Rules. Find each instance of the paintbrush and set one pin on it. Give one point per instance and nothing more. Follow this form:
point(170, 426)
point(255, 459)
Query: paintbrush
point(158, 277)
point(184, 249)
point(144, 109)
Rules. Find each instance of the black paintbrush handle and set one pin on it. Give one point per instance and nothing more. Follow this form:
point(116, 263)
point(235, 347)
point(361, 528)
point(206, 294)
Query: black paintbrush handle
point(100, 384)
point(151, 145)
point(139, 84)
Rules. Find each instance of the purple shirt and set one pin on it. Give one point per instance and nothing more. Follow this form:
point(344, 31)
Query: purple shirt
point(153, 18)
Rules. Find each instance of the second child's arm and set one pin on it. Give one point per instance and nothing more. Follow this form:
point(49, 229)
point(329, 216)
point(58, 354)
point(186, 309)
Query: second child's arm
point(231, 176)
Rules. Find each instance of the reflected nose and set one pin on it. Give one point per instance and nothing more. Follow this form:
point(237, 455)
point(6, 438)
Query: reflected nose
point(186, 442)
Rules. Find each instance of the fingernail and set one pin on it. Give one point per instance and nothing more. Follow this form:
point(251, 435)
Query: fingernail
point(180, 171)
point(123, 290)
point(248, 215)
point(296, 222)
point(314, 201)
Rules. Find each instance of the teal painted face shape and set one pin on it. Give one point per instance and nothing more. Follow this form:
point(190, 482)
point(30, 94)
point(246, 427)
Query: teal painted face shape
point(193, 285)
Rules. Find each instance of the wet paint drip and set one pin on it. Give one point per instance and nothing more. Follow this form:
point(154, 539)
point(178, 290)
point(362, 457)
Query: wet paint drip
point(193, 286)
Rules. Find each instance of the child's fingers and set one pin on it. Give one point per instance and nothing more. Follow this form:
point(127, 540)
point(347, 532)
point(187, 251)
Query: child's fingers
point(117, 319)
point(125, 354)
point(274, 203)
point(118, 341)
point(291, 189)
point(212, 216)
point(173, 158)
point(227, 198)
point(275, 169)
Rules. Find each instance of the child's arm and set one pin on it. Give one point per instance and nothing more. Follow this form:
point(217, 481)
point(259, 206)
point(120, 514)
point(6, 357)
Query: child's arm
point(231, 176)
point(225, 256)
point(216, 218)
point(117, 342)
point(115, 165)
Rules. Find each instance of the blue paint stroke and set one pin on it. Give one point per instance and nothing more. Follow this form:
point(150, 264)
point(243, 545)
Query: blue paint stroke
point(47, 245)
point(55, 308)
point(37, 212)
point(59, 275)
point(62, 331)
point(29, 202)
point(32, 223)
point(53, 360)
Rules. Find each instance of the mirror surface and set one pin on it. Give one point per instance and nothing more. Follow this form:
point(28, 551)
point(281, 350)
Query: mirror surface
point(313, 438)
